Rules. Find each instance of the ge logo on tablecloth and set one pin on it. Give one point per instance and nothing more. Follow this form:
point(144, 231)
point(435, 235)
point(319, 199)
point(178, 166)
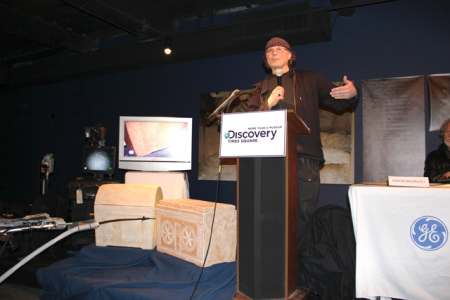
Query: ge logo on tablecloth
point(429, 233)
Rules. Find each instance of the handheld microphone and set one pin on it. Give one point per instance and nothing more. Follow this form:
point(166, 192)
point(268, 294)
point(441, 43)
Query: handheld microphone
point(279, 73)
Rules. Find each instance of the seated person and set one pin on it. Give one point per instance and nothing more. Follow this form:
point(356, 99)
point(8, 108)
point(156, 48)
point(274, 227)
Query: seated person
point(437, 164)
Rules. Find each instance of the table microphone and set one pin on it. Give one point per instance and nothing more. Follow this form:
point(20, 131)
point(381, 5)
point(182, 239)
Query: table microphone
point(224, 104)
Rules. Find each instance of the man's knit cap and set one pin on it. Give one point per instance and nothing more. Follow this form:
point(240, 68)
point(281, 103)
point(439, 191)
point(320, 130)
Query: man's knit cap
point(276, 41)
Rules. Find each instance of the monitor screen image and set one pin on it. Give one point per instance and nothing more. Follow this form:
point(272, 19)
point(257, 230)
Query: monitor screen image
point(99, 160)
point(155, 143)
point(154, 139)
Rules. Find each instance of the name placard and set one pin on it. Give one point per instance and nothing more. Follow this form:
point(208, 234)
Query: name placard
point(408, 181)
point(253, 134)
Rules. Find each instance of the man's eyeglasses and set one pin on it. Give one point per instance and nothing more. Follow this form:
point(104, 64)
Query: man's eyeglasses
point(275, 50)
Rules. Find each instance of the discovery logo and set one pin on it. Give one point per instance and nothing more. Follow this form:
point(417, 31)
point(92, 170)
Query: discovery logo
point(250, 134)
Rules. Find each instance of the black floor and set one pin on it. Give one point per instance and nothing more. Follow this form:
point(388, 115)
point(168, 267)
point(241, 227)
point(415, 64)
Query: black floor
point(23, 281)
point(19, 292)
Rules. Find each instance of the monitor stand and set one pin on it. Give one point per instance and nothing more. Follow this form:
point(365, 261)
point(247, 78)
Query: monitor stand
point(98, 176)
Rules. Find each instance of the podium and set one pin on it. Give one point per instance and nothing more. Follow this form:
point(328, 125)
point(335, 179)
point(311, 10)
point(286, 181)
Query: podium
point(267, 219)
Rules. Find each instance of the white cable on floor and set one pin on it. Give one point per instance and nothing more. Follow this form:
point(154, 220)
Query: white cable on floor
point(80, 227)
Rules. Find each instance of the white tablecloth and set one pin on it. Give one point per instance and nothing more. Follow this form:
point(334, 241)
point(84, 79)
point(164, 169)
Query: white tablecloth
point(401, 235)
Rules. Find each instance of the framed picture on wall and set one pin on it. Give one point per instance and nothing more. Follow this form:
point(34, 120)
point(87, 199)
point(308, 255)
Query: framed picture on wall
point(336, 127)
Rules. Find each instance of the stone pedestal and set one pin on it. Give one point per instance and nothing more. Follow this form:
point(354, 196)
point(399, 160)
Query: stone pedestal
point(183, 228)
point(126, 201)
point(174, 185)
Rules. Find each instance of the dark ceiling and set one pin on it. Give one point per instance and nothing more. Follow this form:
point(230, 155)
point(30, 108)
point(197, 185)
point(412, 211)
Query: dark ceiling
point(54, 40)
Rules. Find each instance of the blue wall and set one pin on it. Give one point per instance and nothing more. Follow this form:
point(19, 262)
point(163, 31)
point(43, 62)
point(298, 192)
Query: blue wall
point(394, 39)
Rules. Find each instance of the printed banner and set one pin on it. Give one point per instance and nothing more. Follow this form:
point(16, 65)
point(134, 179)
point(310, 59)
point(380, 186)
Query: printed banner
point(254, 134)
point(393, 122)
point(439, 87)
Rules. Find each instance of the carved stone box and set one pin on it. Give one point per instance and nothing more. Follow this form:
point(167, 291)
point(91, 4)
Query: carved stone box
point(126, 201)
point(183, 228)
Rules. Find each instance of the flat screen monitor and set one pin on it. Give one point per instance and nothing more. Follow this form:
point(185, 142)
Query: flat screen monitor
point(98, 161)
point(155, 143)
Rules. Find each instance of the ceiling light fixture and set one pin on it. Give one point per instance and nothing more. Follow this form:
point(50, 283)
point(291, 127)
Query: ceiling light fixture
point(168, 47)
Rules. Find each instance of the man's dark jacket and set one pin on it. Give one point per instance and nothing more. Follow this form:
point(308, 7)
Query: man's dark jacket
point(437, 164)
point(327, 254)
point(310, 91)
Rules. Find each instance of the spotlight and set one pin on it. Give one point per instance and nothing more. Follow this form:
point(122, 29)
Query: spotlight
point(168, 47)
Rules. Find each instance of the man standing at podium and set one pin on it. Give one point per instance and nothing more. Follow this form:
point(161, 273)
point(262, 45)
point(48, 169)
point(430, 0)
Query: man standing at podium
point(302, 91)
